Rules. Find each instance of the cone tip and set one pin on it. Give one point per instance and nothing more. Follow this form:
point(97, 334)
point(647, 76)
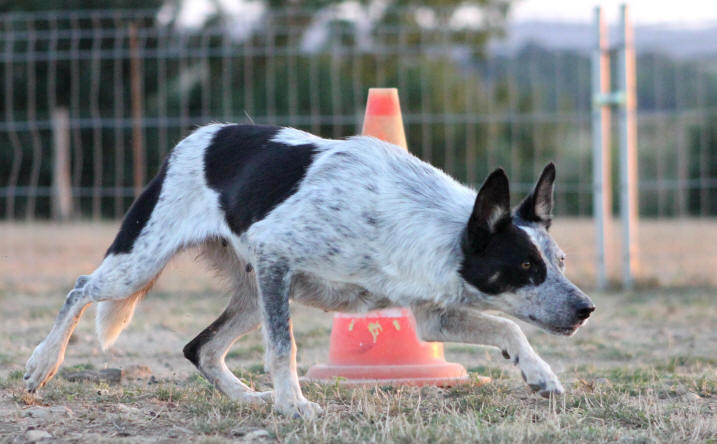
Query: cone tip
point(383, 102)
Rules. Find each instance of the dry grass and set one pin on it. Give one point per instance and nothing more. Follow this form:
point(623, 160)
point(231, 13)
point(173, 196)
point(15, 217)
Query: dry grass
point(642, 370)
point(673, 252)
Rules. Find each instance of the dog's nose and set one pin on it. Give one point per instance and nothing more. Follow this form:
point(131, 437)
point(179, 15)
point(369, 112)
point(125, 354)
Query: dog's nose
point(583, 311)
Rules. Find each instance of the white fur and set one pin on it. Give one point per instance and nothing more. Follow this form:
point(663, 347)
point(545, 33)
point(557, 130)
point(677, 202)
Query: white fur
point(410, 251)
point(186, 213)
point(369, 226)
point(112, 317)
point(294, 137)
point(496, 215)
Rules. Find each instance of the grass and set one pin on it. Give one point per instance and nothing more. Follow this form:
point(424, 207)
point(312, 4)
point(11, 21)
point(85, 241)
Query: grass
point(638, 404)
point(643, 370)
point(624, 384)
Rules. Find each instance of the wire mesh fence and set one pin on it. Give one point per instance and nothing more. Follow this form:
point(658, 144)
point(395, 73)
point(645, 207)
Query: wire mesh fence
point(133, 86)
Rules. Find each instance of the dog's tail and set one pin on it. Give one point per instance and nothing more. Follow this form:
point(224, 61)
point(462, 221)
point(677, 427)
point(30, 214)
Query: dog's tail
point(114, 316)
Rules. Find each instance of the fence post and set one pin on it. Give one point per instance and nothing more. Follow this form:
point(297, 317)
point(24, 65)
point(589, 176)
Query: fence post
point(628, 150)
point(61, 187)
point(602, 198)
point(138, 158)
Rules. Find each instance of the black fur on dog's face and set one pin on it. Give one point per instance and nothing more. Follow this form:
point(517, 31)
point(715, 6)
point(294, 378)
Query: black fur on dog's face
point(512, 264)
point(498, 257)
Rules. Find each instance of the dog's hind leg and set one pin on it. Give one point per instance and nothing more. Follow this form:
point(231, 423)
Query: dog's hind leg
point(125, 273)
point(208, 350)
point(119, 277)
point(175, 210)
point(48, 355)
point(472, 327)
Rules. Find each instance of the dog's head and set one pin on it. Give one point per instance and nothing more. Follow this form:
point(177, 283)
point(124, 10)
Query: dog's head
point(511, 263)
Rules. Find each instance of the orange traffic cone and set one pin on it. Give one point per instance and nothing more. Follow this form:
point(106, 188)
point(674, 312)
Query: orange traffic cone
point(382, 346)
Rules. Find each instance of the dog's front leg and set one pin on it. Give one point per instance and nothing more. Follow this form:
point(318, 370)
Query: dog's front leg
point(473, 327)
point(274, 282)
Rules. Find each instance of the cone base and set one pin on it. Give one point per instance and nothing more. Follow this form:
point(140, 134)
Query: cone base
point(445, 374)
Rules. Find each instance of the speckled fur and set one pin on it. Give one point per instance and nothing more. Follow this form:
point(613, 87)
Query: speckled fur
point(339, 242)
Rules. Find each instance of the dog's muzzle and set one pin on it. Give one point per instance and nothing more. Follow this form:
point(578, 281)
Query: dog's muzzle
point(578, 312)
point(583, 310)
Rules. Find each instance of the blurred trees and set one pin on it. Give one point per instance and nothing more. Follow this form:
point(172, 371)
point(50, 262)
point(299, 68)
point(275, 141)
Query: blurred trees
point(190, 75)
point(308, 64)
point(49, 5)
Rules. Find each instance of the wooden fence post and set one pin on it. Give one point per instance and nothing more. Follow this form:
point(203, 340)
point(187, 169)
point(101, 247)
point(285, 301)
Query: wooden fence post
point(61, 184)
point(138, 157)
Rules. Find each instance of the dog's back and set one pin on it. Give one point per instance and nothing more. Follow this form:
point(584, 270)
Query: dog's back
point(218, 180)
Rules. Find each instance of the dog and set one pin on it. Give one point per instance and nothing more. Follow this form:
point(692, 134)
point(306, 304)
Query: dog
point(348, 225)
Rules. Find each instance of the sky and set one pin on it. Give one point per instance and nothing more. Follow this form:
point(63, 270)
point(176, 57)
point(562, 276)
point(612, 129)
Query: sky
point(644, 12)
point(678, 13)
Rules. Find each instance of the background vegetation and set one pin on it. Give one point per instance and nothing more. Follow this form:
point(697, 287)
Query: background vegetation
point(466, 108)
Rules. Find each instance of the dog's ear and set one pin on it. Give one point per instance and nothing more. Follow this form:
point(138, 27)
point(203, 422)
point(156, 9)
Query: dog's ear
point(492, 207)
point(538, 206)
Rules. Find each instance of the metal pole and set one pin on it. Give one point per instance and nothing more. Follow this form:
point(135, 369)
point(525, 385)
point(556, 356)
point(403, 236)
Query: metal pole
point(602, 199)
point(628, 151)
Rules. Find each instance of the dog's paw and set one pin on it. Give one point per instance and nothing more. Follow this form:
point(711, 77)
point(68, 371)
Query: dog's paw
point(42, 366)
point(540, 378)
point(301, 408)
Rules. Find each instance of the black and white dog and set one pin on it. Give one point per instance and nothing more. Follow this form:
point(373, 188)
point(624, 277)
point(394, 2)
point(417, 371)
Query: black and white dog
point(349, 225)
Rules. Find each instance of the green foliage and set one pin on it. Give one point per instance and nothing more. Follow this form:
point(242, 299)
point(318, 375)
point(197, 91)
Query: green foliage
point(45, 5)
point(464, 111)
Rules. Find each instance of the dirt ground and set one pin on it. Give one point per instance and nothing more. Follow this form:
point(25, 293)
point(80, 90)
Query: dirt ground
point(644, 369)
point(38, 257)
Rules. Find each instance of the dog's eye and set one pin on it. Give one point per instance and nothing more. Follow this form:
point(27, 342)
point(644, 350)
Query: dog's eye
point(561, 261)
point(525, 265)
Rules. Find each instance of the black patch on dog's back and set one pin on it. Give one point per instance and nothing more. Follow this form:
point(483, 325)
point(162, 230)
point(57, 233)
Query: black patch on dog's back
point(251, 173)
point(138, 215)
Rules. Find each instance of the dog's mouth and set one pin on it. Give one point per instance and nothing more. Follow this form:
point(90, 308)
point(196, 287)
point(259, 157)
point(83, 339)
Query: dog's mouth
point(565, 331)
point(569, 331)
point(558, 329)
